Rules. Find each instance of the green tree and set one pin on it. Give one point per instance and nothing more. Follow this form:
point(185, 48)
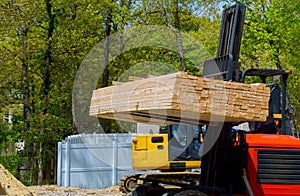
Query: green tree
point(271, 40)
point(44, 43)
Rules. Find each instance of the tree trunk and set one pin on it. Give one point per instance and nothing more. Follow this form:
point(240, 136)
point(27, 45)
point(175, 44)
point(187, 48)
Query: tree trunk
point(108, 26)
point(25, 86)
point(29, 149)
point(177, 33)
point(46, 88)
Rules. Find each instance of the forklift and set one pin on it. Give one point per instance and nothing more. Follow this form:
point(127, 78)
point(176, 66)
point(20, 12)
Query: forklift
point(262, 161)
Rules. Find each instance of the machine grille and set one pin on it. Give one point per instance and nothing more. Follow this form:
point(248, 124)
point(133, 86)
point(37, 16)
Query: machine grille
point(279, 166)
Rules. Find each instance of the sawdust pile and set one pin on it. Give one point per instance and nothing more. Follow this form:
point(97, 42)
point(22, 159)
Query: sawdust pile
point(9, 185)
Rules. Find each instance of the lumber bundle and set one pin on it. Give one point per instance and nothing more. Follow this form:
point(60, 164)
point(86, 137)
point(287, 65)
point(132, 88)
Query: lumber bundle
point(179, 97)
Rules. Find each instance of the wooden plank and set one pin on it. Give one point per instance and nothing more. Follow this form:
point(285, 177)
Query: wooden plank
point(134, 78)
point(115, 83)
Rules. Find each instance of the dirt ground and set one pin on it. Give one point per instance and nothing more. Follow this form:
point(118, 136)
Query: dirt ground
point(11, 186)
point(52, 190)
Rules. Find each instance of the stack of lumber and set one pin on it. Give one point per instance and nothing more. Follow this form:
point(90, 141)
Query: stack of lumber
point(179, 97)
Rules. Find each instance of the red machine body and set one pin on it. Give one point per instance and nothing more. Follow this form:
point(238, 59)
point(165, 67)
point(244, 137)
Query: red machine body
point(273, 164)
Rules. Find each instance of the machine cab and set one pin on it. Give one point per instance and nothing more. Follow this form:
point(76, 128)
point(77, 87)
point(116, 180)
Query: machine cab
point(175, 148)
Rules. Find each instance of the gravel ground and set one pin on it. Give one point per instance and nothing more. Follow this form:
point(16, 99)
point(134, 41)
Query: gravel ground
point(54, 190)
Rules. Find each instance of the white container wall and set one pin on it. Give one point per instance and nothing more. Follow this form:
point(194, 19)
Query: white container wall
point(94, 160)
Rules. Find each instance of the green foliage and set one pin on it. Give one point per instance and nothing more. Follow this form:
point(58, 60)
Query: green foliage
point(271, 40)
point(9, 158)
point(11, 162)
